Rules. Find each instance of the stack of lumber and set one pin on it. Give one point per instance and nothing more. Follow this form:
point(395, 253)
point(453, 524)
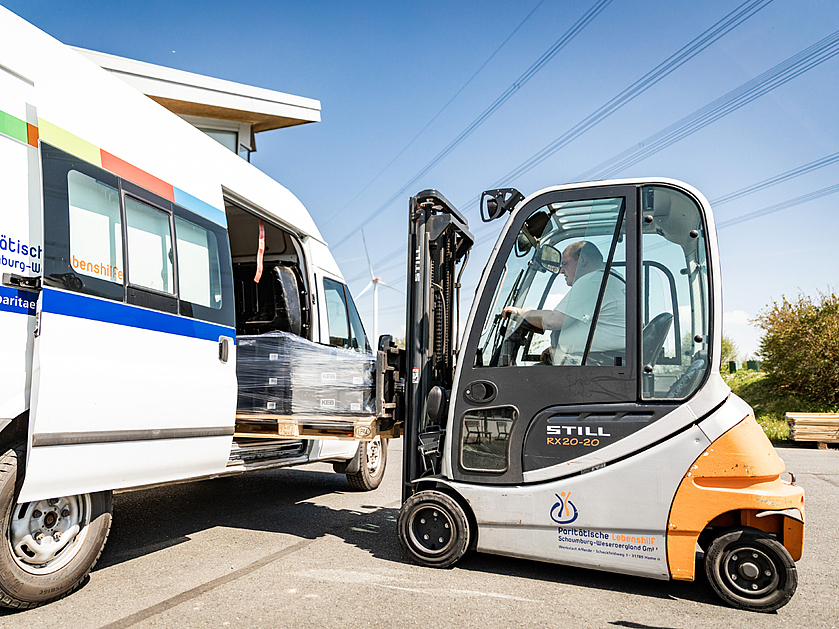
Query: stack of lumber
point(820, 427)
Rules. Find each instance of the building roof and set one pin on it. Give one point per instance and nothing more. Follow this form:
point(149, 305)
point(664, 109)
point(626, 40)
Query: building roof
point(190, 94)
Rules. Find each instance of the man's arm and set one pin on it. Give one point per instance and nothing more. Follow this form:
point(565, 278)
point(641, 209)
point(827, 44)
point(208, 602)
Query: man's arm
point(542, 319)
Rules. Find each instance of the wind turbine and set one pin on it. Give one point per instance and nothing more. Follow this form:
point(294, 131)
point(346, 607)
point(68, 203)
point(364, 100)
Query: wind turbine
point(374, 284)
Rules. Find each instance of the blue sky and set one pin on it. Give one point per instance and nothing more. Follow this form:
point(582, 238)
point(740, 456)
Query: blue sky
point(384, 70)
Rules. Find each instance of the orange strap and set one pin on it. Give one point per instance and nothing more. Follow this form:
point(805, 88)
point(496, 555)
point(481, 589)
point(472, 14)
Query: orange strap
point(260, 252)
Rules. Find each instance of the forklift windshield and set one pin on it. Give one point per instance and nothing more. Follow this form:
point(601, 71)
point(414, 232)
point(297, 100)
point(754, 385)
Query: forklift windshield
point(542, 318)
point(562, 297)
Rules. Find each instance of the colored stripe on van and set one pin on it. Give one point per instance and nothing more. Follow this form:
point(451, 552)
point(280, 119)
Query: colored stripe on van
point(83, 149)
point(18, 129)
point(18, 301)
point(96, 309)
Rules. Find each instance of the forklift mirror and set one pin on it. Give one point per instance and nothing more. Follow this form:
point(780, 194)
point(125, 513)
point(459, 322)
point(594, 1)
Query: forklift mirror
point(549, 258)
point(531, 232)
point(494, 203)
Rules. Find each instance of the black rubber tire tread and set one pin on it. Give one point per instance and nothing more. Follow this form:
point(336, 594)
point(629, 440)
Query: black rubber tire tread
point(22, 590)
point(431, 498)
point(363, 480)
point(743, 538)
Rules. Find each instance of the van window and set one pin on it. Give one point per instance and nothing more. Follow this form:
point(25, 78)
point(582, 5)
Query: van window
point(336, 314)
point(199, 278)
point(359, 340)
point(150, 256)
point(95, 228)
point(345, 329)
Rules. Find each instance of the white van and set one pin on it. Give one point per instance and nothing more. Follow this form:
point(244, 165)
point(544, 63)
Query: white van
point(125, 235)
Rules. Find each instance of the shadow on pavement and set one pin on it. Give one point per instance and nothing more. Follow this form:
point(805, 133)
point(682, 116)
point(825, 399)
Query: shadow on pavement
point(276, 501)
point(279, 501)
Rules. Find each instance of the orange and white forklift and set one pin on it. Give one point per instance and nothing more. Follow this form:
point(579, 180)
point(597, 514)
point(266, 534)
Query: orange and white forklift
point(583, 419)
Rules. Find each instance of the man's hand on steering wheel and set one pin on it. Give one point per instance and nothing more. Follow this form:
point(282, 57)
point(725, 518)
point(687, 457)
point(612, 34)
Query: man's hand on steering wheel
point(518, 320)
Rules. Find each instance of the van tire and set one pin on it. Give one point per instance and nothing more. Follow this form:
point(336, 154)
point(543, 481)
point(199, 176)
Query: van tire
point(85, 521)
point(372, 463)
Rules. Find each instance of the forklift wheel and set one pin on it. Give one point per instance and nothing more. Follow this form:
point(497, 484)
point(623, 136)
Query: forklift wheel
point(750, 570)
point(433, 529)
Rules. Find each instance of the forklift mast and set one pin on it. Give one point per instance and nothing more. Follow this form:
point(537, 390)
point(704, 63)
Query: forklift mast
point(439, 241)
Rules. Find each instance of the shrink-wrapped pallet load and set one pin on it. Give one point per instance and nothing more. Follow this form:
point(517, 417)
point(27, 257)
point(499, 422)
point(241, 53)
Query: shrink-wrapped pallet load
point(282, 375)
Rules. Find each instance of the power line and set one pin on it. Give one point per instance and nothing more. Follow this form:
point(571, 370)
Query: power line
point(528, 74)
point(804, 198)
point(437, 115)
point(790, 174)
point(782, 73)
point(676, 60)
point(694, 47)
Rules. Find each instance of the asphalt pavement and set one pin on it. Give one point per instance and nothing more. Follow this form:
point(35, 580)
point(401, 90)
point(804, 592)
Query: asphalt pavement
point(298, 548)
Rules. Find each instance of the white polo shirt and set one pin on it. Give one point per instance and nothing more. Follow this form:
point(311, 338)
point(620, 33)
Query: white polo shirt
point(569, 343)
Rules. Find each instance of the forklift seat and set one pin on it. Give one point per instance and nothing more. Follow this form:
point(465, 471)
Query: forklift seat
point(653, 336)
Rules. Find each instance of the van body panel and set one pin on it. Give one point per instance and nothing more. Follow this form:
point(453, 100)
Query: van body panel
point(107, 371)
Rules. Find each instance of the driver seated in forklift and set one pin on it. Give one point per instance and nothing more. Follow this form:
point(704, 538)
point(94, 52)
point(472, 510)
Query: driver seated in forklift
point(583, 268)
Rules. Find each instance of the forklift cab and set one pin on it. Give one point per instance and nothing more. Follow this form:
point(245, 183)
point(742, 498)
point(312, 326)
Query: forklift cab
point(584, 421)
point(628, 268)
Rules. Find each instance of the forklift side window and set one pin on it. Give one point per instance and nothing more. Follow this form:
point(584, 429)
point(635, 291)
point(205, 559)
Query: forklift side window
point(486, 439)
point(567, 309)
point(675, 293)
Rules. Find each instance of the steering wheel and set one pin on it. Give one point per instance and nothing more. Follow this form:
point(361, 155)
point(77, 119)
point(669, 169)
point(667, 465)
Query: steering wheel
point(519, 324)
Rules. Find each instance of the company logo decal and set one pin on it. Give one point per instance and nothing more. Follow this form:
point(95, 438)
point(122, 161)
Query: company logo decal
point(564, 511)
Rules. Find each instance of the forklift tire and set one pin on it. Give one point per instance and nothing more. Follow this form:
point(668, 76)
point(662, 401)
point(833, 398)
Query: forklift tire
point(433, 529)
point(750, 570)
point(371, 468)
point(49, 546)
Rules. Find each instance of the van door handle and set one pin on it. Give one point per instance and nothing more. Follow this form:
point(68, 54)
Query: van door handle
point(224, 348)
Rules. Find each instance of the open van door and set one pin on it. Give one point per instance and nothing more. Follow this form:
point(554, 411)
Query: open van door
point(134, 373)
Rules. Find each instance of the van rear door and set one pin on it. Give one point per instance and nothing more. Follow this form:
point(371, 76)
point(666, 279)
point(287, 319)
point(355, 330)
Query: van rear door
point(134, 376)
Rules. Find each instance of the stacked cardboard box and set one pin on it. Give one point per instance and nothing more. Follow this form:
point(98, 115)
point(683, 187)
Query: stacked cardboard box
point(281, 374)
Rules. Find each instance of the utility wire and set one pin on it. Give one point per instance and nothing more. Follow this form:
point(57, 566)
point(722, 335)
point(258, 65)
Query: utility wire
point(804, 198)
point(528, 74)
point(782, 73)
point(666, 67)
point(694, 47)
point(790, 174)
point(437, 115)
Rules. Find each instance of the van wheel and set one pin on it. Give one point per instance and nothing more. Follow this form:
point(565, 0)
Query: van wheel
point(52, 545)
point(433, 529)
point(750, 570)
point(371, 469)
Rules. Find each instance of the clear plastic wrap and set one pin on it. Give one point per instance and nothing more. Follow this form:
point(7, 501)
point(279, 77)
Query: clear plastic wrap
point(282, 375)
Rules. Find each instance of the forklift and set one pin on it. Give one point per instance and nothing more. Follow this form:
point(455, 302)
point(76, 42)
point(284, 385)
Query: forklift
point(582, 419)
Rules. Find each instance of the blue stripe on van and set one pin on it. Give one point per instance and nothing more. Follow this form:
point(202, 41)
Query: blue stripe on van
point(96, 309)
point(194, 204)
point(19, 301)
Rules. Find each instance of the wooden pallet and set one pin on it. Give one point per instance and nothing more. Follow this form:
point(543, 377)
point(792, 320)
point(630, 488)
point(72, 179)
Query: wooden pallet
point(823, 428)
point(359, 428)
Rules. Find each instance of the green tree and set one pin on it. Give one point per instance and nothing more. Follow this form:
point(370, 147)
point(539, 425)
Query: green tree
point(800, 346)
point(729, 351)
